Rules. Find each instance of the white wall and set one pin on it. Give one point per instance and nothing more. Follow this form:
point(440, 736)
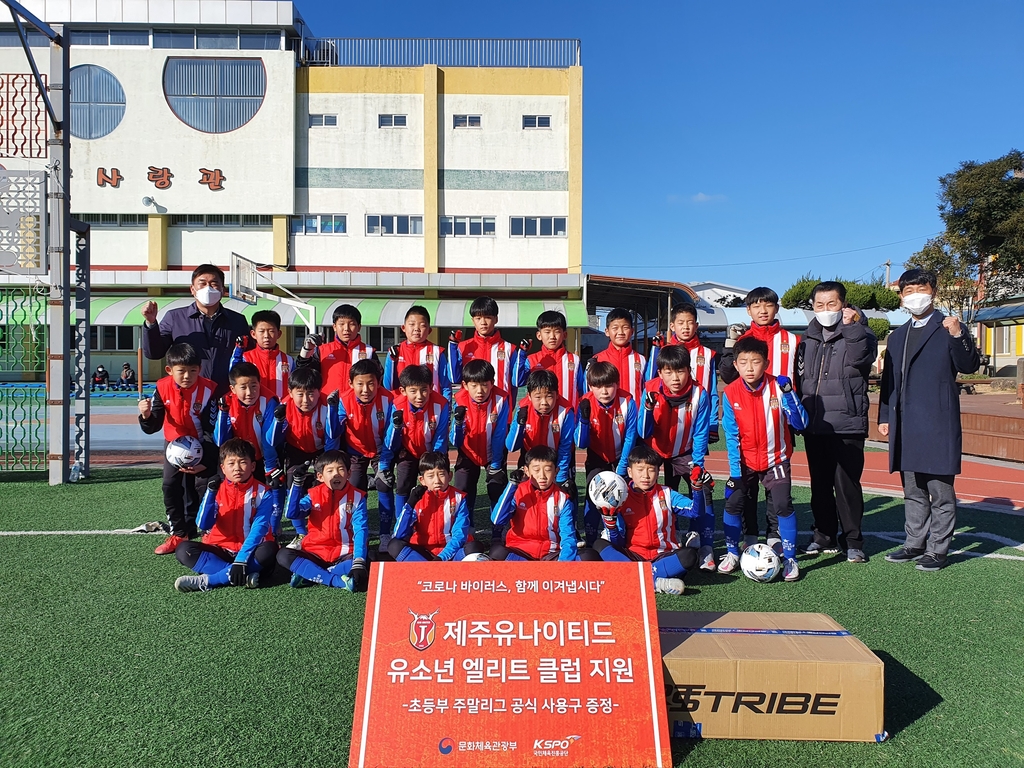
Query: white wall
point(192, 247)
point(357, 141)
point(124, 246)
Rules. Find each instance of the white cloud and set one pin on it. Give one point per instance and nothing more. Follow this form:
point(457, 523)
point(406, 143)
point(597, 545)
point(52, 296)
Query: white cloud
point(702, 197)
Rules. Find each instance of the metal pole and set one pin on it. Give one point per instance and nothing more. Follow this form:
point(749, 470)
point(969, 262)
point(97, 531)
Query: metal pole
point(83, 362)
point(59, 203)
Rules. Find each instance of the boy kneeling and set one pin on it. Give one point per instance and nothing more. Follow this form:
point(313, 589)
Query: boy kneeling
point(643, 527)
point(238, 545)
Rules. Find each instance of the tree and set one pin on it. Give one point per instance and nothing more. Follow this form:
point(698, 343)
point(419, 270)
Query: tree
point(871, 295)
point(959, 276)
point(879, 326)
point(731, 301)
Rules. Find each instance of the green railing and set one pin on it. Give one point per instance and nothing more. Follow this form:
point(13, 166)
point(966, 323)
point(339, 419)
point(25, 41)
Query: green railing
point(23, 346)
point(23, 437)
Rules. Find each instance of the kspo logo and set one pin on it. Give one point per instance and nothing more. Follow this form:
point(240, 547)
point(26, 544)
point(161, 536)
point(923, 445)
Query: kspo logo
point(688, 698)
point(555, 743)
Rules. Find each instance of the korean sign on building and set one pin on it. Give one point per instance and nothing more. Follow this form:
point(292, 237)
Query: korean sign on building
point(510, 664)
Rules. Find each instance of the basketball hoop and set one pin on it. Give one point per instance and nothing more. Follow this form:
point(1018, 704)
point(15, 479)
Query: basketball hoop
point(243, 287)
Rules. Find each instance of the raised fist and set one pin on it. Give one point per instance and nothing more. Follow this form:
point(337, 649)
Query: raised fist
point(522, 415)
point(659, 340)
point(526, 345)
point(397, 418)
point(213, 485)
point(455, 337)
point(785, 384)
point(334, 398)
point(242, 342)
point(460, 414)
point(415, 495)
point(222, 404)
point(393, 352)
point(280, 411)
point(300, 474)
point(650, 400)
point(516, 476)
point(584, 410)
point(149, 312)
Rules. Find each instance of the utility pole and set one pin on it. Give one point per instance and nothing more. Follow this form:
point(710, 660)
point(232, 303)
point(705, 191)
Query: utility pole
point(888, 264)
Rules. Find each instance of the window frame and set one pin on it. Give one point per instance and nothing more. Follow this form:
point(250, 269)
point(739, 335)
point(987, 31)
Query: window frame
point(411, 222)
point(538, 224)
point(467, 120)
point(536, 123)
point(388, 120)
point(303, 219)
point(449, 226)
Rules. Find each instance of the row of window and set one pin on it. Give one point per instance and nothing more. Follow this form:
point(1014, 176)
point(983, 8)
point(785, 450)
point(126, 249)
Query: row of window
point(319, 120)
point(222, 40)
point(448, 226)
point(190, 220)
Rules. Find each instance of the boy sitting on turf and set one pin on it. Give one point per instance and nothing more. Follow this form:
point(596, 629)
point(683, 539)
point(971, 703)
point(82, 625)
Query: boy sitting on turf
point(273, 364)
point(238, 544)
point(675, 420)
point(434, 524)
point(334, 552)
point(538, 513)
point(479, 427)
point(507, 360)
point(417, 349)
point(643, 528)
point(620, 353)
point(553, 356)
point(606, 430)
point(419, 423)
point(758, 410)
point(182, 406)
point(334, 358)
point(545, 418)
point(364, 414)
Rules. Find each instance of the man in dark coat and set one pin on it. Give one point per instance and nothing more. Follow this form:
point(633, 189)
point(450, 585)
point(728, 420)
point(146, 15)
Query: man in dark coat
point(211, 328)
point(919, 411)
point(833, 361)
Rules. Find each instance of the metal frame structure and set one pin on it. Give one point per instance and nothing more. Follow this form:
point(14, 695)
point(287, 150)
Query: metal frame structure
point(83, 362)
point(244, 276)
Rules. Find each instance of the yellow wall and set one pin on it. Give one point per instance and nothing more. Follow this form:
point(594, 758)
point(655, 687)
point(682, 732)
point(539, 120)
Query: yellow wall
point(157, 260)
point(432, 83)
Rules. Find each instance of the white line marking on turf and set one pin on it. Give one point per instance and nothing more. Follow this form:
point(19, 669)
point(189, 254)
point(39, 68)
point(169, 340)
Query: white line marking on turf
point(113, 532)
point(650, 662)
point(369, 672)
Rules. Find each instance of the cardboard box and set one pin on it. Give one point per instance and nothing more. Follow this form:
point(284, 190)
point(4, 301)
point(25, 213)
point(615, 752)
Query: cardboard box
point(769, 676)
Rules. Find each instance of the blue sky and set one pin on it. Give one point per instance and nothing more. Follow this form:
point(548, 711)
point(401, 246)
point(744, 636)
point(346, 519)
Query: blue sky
point(730, 140)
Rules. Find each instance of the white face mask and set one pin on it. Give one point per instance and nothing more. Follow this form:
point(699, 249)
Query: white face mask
point(208, 296)
point(828, 319)
point(918, 303)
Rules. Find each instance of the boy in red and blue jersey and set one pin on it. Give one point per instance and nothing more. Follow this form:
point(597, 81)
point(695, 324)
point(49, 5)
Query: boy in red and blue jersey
point(507, 359)
point(417, 349)
point(307, 420)
point(182, 407)
point(273, 365)
point(758, 411)
point(238, 546)
point(479, 427)
point(334, 551)
point(628, 362)
point(419, 423)
point(334, 358)
point(553, 356)
point(538, 513)
point(674, 420)
point(606, 430)
point(642, 528)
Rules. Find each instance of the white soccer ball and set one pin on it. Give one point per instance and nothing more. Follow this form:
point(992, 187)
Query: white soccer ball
point(759, 562)
point(184, 452)
point(607, 490)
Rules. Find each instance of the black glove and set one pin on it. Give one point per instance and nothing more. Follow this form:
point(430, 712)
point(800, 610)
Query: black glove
point(658, 341)
point(393, 352)
point(460, 414)
point(522, 415)
point(334, 398)
point(455, 337)
point(280, 412)
point(713, 436)
point(237, 574)
point(222, 403)
point(385, 477)
point(516, 476)
point(299, 478)
point(584, 410)
point(784, 384)
point(568, 488)
point(415, 495)
point(242, 342)
point(397, 418)
point(733, 485)
point(213, 484)
point(526, 345)
point(700, 478)
point(310, 343)
point(275, 478)
point(494, 473)
point(359, 575)
point(650, 400)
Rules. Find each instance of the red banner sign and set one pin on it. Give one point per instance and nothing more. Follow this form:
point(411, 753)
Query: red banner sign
point(508, 664)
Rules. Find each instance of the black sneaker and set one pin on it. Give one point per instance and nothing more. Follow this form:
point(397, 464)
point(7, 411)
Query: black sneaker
point(856, 556)
point(904, 555)
point(931, 562)
point(814, 548)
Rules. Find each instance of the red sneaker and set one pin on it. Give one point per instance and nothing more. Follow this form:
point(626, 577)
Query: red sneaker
point(170, 544)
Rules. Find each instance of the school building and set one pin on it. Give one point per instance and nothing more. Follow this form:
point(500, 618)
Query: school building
point(376, 172)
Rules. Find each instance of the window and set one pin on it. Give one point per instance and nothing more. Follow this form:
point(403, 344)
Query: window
point(173, 39)
point(320, 224)
point(9, 39)
point(129, 37)
point(323, 121)
point(193, 220)
point(90, 37)
point(217, 41)
point(389, 224)
point(460, 226)
point(112, 338)
point(466, 121)
point(537, 226)
point(391, 121)
point(381, 337)
point(252, 220)
point(215, 95)
point(113, 219)
point(536, 121)
point(259, 41)
point(97, 102)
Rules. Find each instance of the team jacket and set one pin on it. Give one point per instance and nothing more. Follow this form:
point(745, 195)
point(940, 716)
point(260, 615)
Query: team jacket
point(363, 425)
point(645, 524)
point(481, 437)
point(426, 354)
point(555, 429)
point(273, 365)
point(611, 432)
point(180, 411)
point(631, 367)
point(703, 370)
point(678, 426)
point(237, 518)
point(755, 422)
point(439, 523)
point(310, 432)
point(335, 358)
point(336, 520)
point(508, 360)
point(572, 380)
point(248, 422)
point(422, 430)
point(540, 522)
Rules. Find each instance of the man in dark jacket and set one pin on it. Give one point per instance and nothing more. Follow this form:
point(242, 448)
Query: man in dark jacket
point(919, 411)
point(833, 361)
point(211, 328)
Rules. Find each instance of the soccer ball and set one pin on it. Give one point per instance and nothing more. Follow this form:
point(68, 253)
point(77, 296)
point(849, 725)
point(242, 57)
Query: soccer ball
point(184, 452)
point(759, 562)
point(607, 490)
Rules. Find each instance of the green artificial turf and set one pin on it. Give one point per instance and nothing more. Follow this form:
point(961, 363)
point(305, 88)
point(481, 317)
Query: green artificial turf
point(105, 665)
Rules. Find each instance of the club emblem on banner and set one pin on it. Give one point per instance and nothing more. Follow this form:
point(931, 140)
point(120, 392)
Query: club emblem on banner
point(422, 629)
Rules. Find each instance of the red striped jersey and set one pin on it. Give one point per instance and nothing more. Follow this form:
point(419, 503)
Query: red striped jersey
point(247, 420)
point(565, 365)
point(673, 426)
point(702, 363)
point(482, 419)
point(781, 347)
point(335, 360)
point(765, 439)
point(423, 353)
point(608, 426)
point(307, 431)
point(419, 428)
point(435, 518)
point(494, 350)
point(330, 521)
point(236, 508)
point(365, 423)
point(546, 429)
point(184, 408)
point(649, 521)
point(274, 367)
point(631, 366)
point(533, 527)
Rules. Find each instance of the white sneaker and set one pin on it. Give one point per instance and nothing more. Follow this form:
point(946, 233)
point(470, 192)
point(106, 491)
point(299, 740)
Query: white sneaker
point(669, 586)
point(295, 543)
point(385, 539)
point(194, 582)
point(252, 581)
point(707, 559)
point(729, 563)
point(791, 571)
point(776, 544)
point(691, 539)
point(476, 557)
point(749, 540)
